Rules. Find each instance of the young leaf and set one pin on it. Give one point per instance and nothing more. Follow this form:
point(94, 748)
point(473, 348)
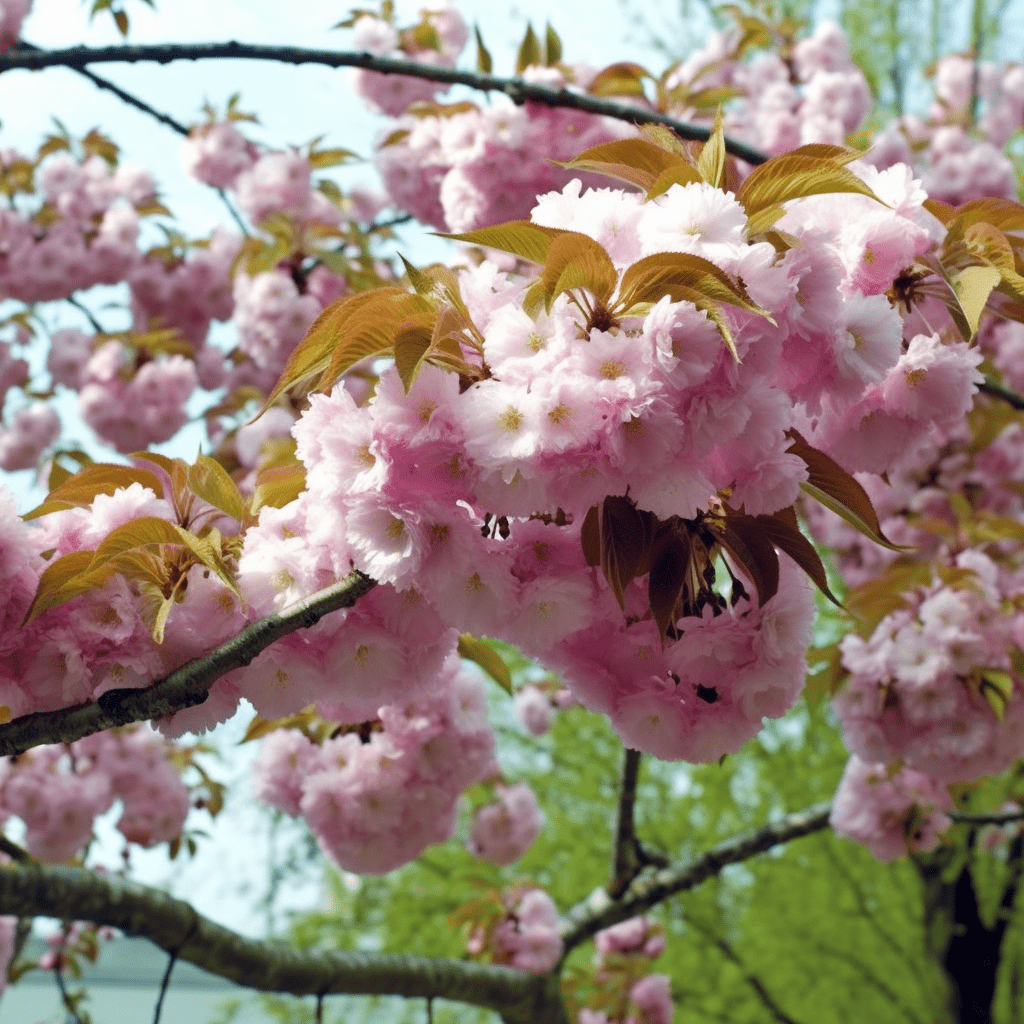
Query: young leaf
point(973, 286)
point(373, 331)
point(411, 348)
point(626, 536)
point(519, 237)
point(577, 261)
point(752, 551)
point(636, 161)
point(552, 46)
point(621, 79)
point(792, 176)
point(484, 63)
point(830, 484)
point(682, 174)
point(782, 530)
point(278, 485)
point(529, 51)
point(81, 490)
point(711, 162)
point(670, 562)
point(483, 654)
point(313, 354)
point(210, 481)
point(63, 579)
point(590, 536)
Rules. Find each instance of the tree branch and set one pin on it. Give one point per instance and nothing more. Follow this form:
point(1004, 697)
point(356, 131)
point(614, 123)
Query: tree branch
point(109, 86)
point(630, 856)
point(520, 92)
point(186, 687)
point(626, 860)
point(139, 104)
point(600, 910)
point(82, 895)
point(1005, 394)
point(995, 818)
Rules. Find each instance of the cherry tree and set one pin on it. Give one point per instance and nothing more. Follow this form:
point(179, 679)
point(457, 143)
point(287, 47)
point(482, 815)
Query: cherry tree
point(703, 369)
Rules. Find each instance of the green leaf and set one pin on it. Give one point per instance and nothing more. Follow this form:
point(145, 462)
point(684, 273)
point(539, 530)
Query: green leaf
point(529, 51)
point(411, 348)
point(519, 237)
point(973, 286)
point(577, 261)
point(792, 176)
point(636, 161)
point(624, 78)
point(830, 484)
point(484, 63)
point(997, 687)
point(80, 490)
point(552, 46)
point(711, 162)
point(481, 653)
point(210, 481)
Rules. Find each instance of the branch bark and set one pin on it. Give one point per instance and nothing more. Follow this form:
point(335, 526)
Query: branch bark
point(173, 924)
point(186, 687)
point(520, 92)
point(600, 910)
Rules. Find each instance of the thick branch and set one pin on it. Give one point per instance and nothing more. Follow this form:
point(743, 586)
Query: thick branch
point(518, 90)
point(186, 687)
point(599, 910)
point(172, 924)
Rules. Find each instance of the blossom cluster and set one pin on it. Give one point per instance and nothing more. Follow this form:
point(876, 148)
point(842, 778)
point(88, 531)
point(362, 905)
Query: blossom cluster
point(526, 935)
point(504, 830)
point(464, 166)
point(58, 792)
point(621, 959)
point(375, 799)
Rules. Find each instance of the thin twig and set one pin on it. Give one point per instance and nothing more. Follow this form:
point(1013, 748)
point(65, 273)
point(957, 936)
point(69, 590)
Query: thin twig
point(164, 983)
point(515, 88)
point(125, 97)
point(1004, 394)
point(599, 910)
point(14, 851)
point(996, 818)
point(185, 688)
point(140, 104)
point(65, 998)
point(87, 313)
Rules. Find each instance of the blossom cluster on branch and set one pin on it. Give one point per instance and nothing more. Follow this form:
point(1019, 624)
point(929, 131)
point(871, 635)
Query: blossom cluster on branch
point(593, 436)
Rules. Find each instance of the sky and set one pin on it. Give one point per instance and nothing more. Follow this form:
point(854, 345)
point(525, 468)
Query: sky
point(294, 105)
